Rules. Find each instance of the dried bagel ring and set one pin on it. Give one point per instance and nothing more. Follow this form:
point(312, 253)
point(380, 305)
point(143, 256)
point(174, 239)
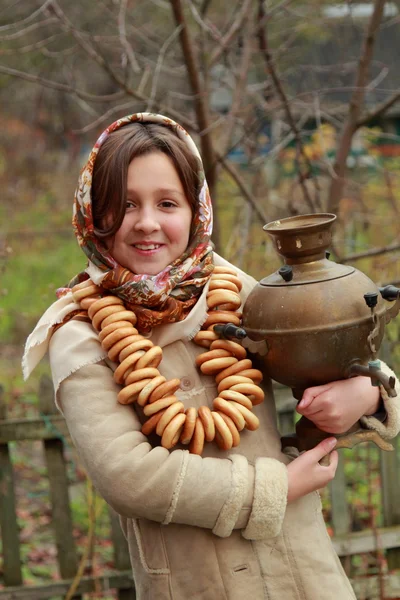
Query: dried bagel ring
point(217, 364)
point(232, 429)
point(228, 277)
point(149, 388)
point(86, 303)
point(119, 334)
point(204, 338)
point(129, 393)
point(218, 353)
point(208, 423)
point(151, 409)
point(82, 284)
point(102, 302)
point(125, 368)
point(223, 297)
point(152, 358)
point(228, 382)
point(140, 343)
point(252, 390)
point(142, 374)
point(234, 348)
point(116, 336)
point(170, 412)
point(197, 442)
point(236, 397)
point(188, 429)
point(79, 294)
point(173, 430)
point(125, 315)
point(115, 351)
point(253, 374)
point(113, 327)
point(224, 406)
point(223, 430)
point(221, 316)
point(234, 369)
point(218, 284)
point(165, 389)
point(224, 270)
point(134, 346)
point(151, 423)
point(226, 306)
point(105, 312)
point(252, 421)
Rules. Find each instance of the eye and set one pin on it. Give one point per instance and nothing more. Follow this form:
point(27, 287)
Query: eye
point(130, 204)
point(167, 204)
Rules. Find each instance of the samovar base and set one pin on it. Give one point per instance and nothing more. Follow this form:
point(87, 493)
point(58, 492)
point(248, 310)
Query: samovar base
point(308, 436)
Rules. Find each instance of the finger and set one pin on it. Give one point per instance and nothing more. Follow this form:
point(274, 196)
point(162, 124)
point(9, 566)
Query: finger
point(311, 393)
point(311, 409)
point(334, 456)
point(323, 448)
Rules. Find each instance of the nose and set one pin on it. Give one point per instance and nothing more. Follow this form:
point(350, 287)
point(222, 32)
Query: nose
point(147, 221)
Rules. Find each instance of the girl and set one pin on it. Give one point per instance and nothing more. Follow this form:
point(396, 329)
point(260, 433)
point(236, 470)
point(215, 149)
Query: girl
point(171, 422)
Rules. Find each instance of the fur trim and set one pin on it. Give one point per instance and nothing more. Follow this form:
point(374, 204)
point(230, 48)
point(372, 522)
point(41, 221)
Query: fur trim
point(269, 502)
point(229, 514)
point(179, 483)
point(391, 426)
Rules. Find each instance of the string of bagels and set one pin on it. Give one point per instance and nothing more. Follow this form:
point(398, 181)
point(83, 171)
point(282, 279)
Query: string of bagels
point(237, 381)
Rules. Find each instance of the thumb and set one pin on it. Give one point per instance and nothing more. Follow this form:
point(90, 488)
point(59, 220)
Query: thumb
point(323, 448)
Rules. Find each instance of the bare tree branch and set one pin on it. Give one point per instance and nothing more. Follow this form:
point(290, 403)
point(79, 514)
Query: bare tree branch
point(160, 60)
point(200, 105)
point(240, 87)
point(355, 107)
point(61, 87)
point(103, 117)
point(379, 110)
point(200, 100)
point(234, 29)
point(28, 19)
point(229, 168)
point(123, 39)
point(304, 171)
point(34, 46)
point(23, 32)
point(372, 252)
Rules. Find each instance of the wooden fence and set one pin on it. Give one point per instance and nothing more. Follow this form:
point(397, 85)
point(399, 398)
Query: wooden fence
point(16, 430)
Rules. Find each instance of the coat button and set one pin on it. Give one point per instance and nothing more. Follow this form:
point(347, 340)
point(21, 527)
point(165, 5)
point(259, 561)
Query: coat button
point(186, 383)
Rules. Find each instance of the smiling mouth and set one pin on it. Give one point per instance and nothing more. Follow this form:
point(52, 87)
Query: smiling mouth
point(147, 247)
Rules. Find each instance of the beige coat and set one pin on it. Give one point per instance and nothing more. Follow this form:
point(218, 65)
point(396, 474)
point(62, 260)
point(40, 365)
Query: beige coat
point(208, 528)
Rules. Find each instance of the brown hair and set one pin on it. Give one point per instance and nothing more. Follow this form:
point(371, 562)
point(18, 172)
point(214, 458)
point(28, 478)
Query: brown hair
point(110, 170)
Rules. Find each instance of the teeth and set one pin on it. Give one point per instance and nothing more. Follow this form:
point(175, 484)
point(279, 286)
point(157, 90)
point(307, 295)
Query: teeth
point(147, 246)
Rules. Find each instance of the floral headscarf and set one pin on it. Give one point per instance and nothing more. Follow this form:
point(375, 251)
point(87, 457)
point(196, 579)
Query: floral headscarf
point(168, 296)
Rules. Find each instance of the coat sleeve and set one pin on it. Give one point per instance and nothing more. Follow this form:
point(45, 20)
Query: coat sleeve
point(390, 427)
point(139, 481)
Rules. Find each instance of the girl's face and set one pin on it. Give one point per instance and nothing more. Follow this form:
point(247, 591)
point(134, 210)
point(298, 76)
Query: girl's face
point(156, 226)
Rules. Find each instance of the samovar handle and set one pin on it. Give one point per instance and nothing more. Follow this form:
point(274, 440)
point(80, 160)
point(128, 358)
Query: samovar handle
point(392, 294)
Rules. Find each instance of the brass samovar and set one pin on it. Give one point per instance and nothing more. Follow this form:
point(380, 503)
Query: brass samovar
point(317, 321)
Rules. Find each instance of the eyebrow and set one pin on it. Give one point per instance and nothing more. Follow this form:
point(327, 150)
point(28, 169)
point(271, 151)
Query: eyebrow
point(162, 190)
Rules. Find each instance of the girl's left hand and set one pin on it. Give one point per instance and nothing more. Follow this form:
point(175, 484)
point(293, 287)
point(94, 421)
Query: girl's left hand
point(335, 407)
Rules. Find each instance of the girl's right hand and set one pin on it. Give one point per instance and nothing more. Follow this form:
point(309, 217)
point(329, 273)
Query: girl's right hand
point(307, 475)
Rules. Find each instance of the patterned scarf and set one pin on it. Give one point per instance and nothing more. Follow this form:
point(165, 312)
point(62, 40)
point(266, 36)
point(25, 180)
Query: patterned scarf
point(168, 296)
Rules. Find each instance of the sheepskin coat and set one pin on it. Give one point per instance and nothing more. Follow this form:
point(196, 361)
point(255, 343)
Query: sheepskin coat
point(212, 527)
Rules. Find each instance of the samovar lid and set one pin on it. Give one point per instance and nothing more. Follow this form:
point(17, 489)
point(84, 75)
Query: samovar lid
point(303, 241)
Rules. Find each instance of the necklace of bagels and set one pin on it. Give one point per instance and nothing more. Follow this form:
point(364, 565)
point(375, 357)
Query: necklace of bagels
point(237, 381)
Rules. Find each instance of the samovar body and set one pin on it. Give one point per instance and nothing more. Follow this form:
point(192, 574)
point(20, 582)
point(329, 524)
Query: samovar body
point(317, 321)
